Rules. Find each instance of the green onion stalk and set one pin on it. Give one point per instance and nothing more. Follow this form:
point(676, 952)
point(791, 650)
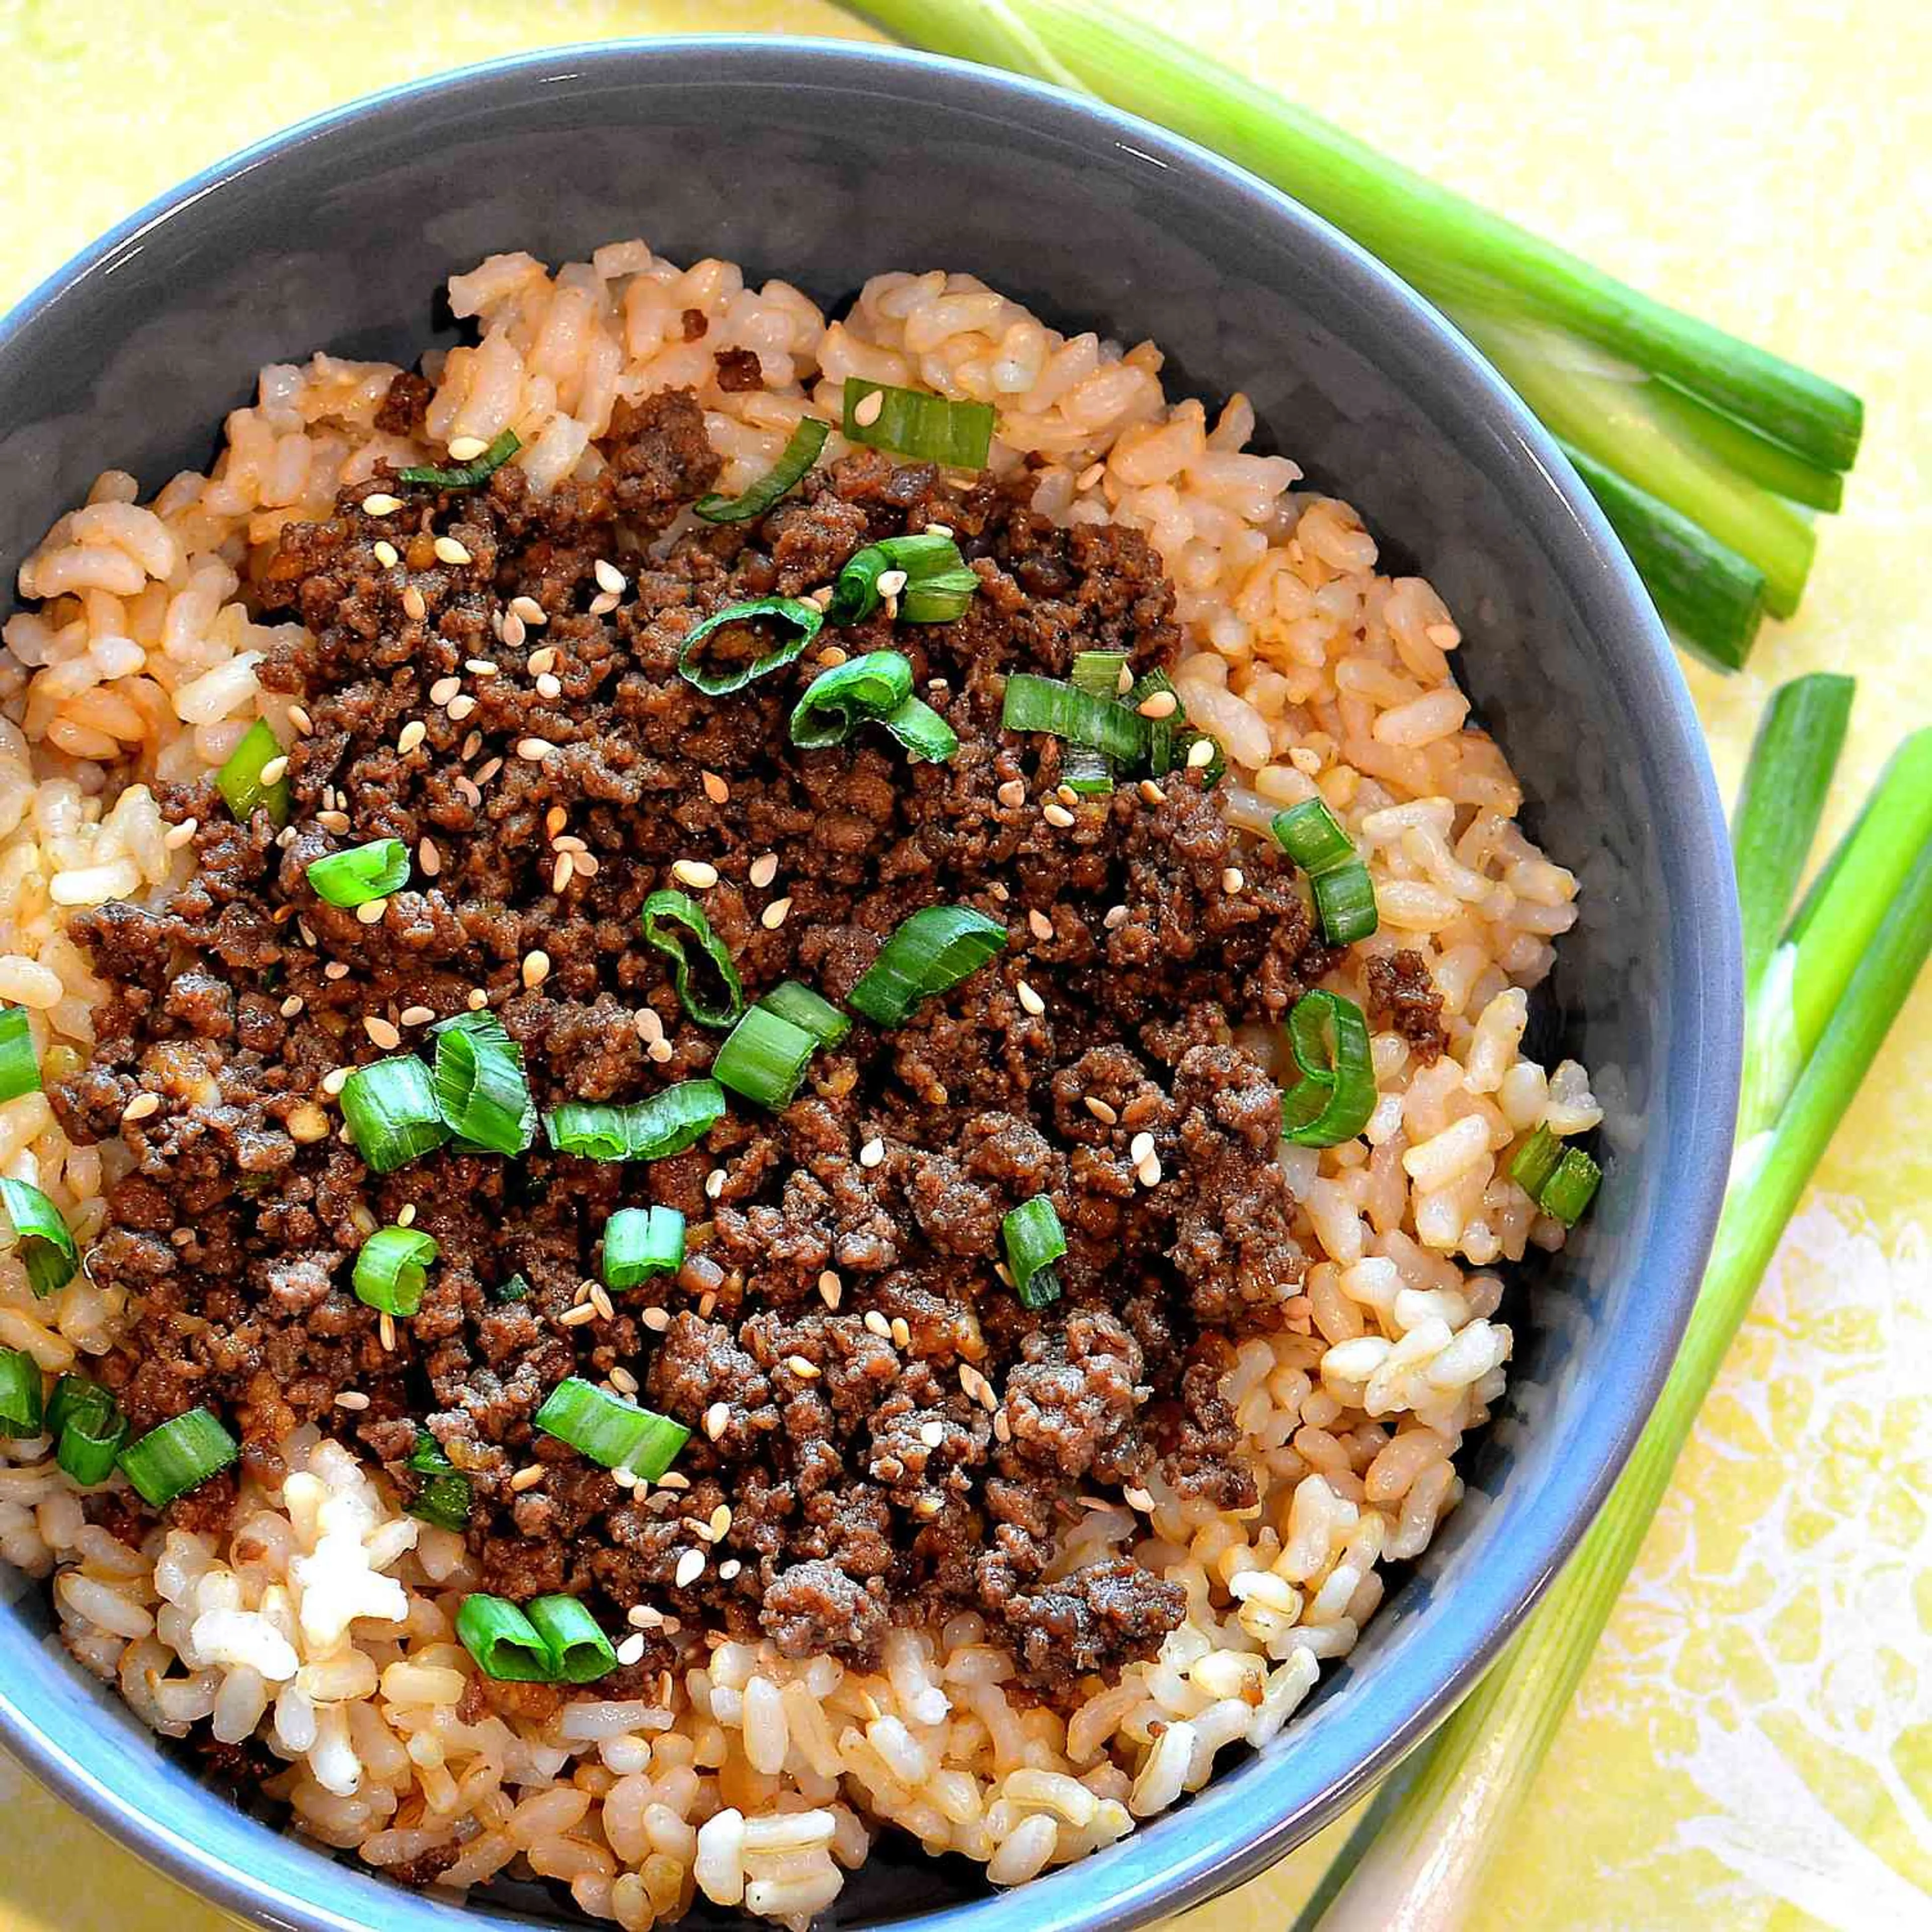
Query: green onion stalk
point(1702, 449)
point(1823, 988)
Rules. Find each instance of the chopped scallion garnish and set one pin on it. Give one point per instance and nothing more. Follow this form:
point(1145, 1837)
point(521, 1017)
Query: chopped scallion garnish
point(504, 1641)
point(391, 1110)
point(466, 475)
point(239, 780)
point(443, 1497)
point(89, 1441)
point(812, 1011)
point(667, 1123)
point(1034, 704)
point(798, 456)
point(933, 950)
point(391, 1269)
point(1313, 837)
point(1344, 896)
point(1084, 768)
point(941, 598)
point(1336, 1094)
point(930, 428)
point(923, 557)
point(1345, 902)
point(361, 874)
point(179, 1456)
point(44, 1242)
point(805, 620)
point(515, 1289)
point(610, 1430)
point(480, 1089)
point(1535, 1161)
point(579, 1652)
point(875, 687)
point(19, 1069)
point(669, 917)
point(765, 1058)
point(20, 1409)
point(1034, 1241)
point(640, 1243)
point(1572, 1187)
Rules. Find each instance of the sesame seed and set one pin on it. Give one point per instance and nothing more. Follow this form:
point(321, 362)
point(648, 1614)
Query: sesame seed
point(939, 529)
point(448, 550)
point(1029, 999)
point(890, 583)
point(673, 1480)
point(332, 821)
point(690, 1567)
point(1090, 476)
point(714, 1183)
point(141, 1106)
point(407, 1216)
point(334, 1080)
point(536, 969)
point(286, 837)
point(1159, 704)
point(720, 1523)
point(831, 657)
point(806, 1372)
point(1066, 795)
point(1039, 925)
point(1056, 814)
point(932, 1434)
point(1152, 793)
point(529, 610)
point(542, 661)
point(1012, 793)
point(490, 767)
point(1101, 1111)
point(715, 789)
point(631, 1648)
point(927, 1507)
point(476, 999)
point(902, 1332)
point(1233, 880)
point(444, 689)
point(298, 717)
point(387, 555)
point(1123, 678)
point(717, 1420)
point(764, 870)
point(585, 864)
point(1139, 1499)
point(527, 1477)
point(604, 603)
point(351, 1399)
point(429, 858)
point(308, 937)
point(562, 872)
point(1148, 1172)
point(878, 1325)
point(479, 667)
point(386, 1325)
point(831, 1289)
point(1201, 754)
point(728, 1569)
point(659, 1051)
point(534, 749)
point(292, 1006)
point(335, 970)
point(608, 576)
point(819, 599)
point(411, 736)
point(413, 605)
point(623, 1382)
point(275, 769)
point(380, 503)
point(555, 820)
point(648, 1025)
point(465, 448)
point(418, 1016)
point(371, 911)
point(381, 1032)
point(176, 836)
point(606, 1309)
point(695, 874)
point(575, 1318)
point(657, 1320)
point(865, 412)
point(1002, 1429)
point(548, 686)
point(872, 1152)
point(773, 917)
point(1116, 917)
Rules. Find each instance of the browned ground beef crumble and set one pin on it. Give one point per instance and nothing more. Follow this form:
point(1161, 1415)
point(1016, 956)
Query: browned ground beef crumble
point(893, 1481)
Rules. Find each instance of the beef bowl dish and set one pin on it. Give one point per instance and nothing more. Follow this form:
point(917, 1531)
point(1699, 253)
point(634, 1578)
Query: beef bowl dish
point(767, 1080)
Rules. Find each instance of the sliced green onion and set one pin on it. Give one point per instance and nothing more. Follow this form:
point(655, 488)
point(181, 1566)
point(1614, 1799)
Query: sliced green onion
point(1034, 1241)
point(923, 732)
point(1082, 768)
point(800, 454)
point(1336, 1094)
point(806, 621)
point(504, 1641)
point(579, 1652)
point(1171, 740)
point(1345, 901)
point(481, 1089)
point(444, 1496)
point(20, 1410)
point(922, 556)
point(361, 874)
point(838, 701)
point(391, 1269)
point(933, 950)
point(179, 1456)
point(1312, 835)
point(938, 599)
point(669, 916)
point(1034, 703)
point(239, 780)
point(19, 1069)
point(667, 1123)
point(466, 476)
point(765, 1058)
point(390, 1109)
point(45, 1243)
point(955, 435)
point(640, 1242)
point(610, 1430)
point(1535, 1162)
point(515, 1289)
point(812, 1011)
point(88, 1428)
point(77, 1397)
point(1571, 1188)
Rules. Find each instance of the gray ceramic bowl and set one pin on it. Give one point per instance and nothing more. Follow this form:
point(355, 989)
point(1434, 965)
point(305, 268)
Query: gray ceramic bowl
point(824, 164)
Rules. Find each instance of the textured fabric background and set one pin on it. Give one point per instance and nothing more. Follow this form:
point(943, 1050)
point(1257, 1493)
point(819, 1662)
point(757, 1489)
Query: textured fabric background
point(1753, 1748)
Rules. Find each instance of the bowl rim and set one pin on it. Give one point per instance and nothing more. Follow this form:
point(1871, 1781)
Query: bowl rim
point(1219, 1842)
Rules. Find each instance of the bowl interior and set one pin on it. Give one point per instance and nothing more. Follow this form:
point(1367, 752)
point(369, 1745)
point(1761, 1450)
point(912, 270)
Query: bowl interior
point(821, 166)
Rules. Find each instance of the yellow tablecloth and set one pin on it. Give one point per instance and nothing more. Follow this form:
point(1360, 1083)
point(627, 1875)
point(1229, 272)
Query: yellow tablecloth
point(1753, 1748)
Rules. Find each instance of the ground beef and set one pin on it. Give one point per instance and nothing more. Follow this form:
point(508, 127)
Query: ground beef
point(738, 371)
point(1402, 994)
point(880, 1429)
